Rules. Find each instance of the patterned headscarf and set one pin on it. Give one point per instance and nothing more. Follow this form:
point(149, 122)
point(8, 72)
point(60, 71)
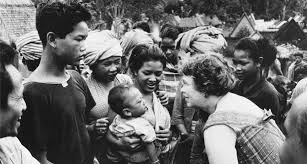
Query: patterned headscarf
point(30, 46)
point(101, 45)
point(201, 40)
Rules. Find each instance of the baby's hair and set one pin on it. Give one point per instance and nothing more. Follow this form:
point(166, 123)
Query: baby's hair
point(117, 96)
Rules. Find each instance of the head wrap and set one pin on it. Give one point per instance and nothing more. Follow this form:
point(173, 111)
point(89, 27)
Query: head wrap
point(30, 46)
point(101, 45)
point(134, 38)
point(201, 40)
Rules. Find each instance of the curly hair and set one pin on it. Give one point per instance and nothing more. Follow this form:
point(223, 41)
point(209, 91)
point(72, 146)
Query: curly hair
point(59, 18)
point(145, 53)
point(212, 75)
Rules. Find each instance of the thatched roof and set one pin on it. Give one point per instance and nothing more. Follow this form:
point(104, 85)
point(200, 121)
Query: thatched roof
point(16, 3)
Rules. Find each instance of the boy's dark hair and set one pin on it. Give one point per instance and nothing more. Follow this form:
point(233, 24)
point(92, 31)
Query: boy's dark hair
point(267, 50)
point(169, 31)
point(142, 25)
point(117, 96)
point(7, 55)
point(249, 45)
point(59, 18)
point(144, 53)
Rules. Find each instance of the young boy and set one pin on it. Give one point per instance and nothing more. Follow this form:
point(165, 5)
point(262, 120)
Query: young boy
point(128, 103)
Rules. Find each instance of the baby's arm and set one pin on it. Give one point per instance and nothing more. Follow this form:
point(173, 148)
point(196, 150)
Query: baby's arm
point(151, 150)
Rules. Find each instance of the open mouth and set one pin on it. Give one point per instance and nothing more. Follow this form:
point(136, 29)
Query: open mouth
point(151, 86)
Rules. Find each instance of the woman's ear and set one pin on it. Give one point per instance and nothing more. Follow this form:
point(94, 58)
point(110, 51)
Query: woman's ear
point(260, 61)
point(51, 39)
point(127, 112)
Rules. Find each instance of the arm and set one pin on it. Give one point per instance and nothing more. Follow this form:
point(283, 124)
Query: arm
point(151, 150)
point(42, 158)
point(177, 115)
point(220, 143)
point(123, 143)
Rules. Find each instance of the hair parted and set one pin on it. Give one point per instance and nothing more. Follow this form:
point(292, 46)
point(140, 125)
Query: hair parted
point(145, 53)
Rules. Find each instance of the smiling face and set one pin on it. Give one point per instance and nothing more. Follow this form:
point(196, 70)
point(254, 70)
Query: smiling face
point(245, 67)
point(10, 117)
point(106, 70)
point(70, 49)
point(148, 76)
point(193, 97)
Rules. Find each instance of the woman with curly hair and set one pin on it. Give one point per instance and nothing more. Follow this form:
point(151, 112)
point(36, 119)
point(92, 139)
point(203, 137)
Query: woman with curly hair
point(237, 130)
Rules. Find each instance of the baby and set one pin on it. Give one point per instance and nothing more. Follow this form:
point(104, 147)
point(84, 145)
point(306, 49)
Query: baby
point(128, 103)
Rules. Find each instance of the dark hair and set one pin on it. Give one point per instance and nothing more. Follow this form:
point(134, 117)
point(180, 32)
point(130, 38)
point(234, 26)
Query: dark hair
point(59, 18)
point(7, 55)
point(117, 96)
point(169, 31)
point(250, 45)
point(298, 54)
point(211, 73)
point(142, 25)
point(144, 53)
point(267, 50)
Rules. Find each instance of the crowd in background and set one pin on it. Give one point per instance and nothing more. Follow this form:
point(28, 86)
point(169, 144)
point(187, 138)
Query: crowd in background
point(70, 95)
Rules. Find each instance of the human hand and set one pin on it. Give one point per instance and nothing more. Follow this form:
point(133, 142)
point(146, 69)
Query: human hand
point(101, 126)
point(130, 142)
point(163, 97)
point(163, 135)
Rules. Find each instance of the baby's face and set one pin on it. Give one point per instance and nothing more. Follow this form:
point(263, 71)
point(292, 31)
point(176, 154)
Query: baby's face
point(135, 102)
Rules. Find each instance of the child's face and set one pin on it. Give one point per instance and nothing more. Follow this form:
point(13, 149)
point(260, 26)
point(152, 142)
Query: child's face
point(135, 102)
point(245, 67)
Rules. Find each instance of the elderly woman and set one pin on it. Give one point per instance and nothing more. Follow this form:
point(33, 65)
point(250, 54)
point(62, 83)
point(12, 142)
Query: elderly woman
point(103, 56)
point(237, 130)
point(146, 64)
point(197, 40)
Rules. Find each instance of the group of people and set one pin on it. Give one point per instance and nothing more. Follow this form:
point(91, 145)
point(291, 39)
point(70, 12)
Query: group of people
point(181, 100)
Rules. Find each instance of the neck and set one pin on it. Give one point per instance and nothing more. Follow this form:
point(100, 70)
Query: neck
point(253, 79)
point(214, 101)
point(102, 81)
point(50, 65)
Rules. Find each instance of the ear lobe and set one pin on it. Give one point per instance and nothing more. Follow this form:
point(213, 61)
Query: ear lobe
point(51, 39)
point(127, 112)
point(260, 61)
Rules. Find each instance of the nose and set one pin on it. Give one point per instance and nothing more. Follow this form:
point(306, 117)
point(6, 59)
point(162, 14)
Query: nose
point(83, 47)
point(238, 67)
point(168, 51)
point(23, 105)
point(113, 68)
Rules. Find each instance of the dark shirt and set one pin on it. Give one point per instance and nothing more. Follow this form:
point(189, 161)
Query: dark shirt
point(262, 93)
point(55, 120)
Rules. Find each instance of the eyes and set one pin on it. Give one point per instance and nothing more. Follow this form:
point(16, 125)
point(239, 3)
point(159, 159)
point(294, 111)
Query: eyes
point(109, 63)
point(157, 73)
point(239, 62)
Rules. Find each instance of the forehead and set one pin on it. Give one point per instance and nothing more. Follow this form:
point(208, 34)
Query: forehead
point(152, 65)
point(241, 54)
point(168, 42)
point(80, 29)
point(188, 79)
point(15, 76)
